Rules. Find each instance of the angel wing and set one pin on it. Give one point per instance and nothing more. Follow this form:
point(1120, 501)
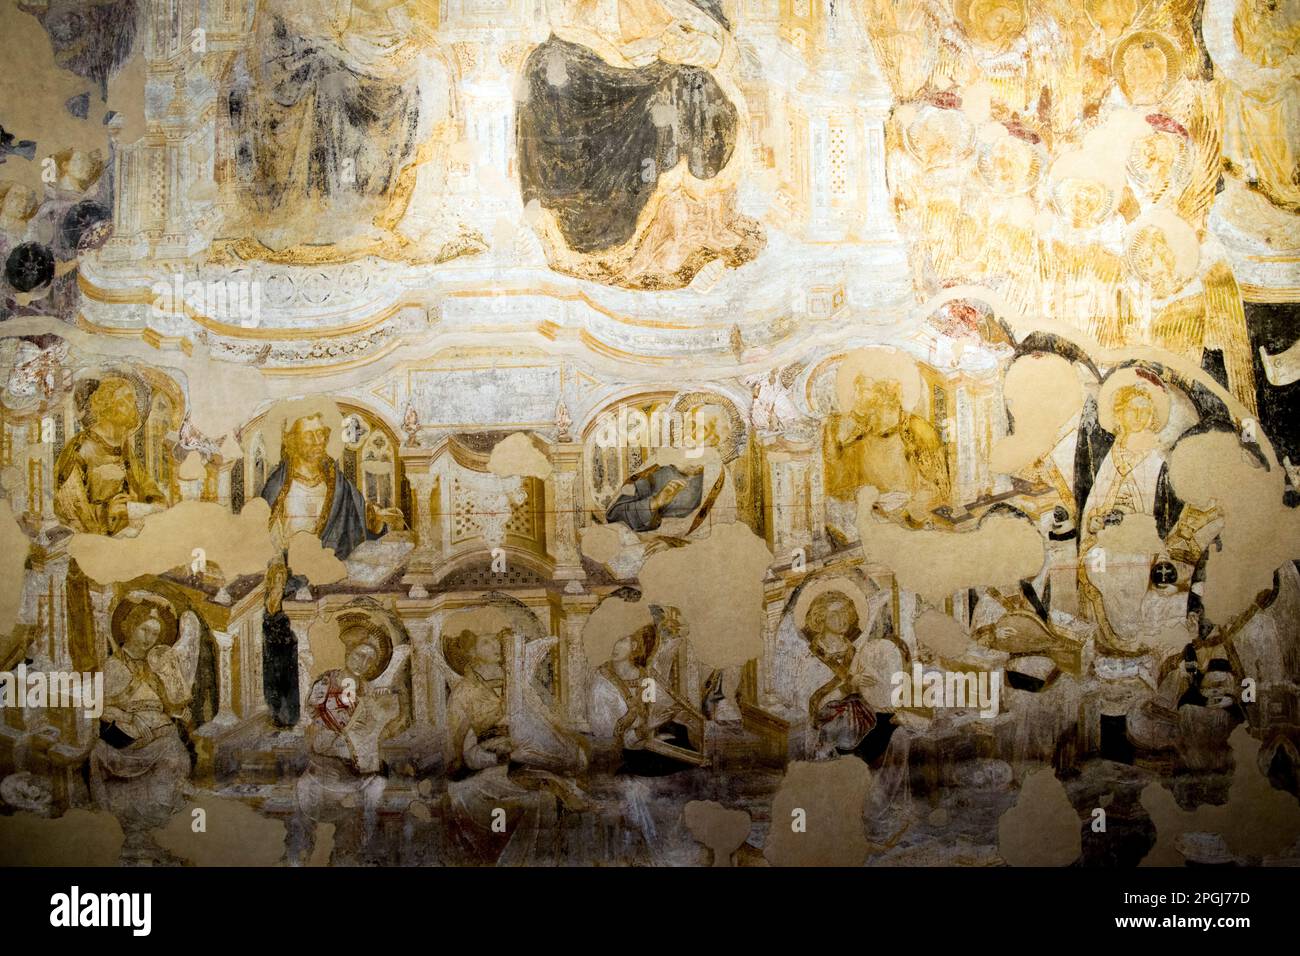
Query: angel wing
point(1173, 18)
point(1206, 131)
point(535, 652)
point(1281, 368)
point(540, 740)
point(791, 373)
point(1225, 329)
point(186, 647)
point(424, 13)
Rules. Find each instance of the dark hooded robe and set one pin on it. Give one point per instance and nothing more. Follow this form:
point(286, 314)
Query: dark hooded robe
point(317, 113)
point(589, 148)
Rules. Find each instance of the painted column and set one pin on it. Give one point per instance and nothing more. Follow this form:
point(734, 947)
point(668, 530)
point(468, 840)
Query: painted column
point(225, 711)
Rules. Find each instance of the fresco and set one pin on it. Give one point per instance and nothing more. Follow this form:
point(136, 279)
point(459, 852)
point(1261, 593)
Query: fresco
point(650, 432)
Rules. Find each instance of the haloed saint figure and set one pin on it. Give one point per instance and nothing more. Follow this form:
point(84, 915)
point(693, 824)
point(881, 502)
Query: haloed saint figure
point(98, 473)
point(308, 492)
point(139, 766)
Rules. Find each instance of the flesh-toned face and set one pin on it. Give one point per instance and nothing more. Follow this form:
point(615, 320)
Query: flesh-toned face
point(672, 625)
point(1155, 262)
point(705, 428)
point(360, 659)
point(80, 166)
point(1154, 157)
point(18, 204)
point(1084, 200)
point(938, 138)
point(487, 649)
point(1135, 414)
point(1002, 23)
point(1145, 70)
point(144, 637)
point(997, 21)
point(308, 440)
point(879, 402)
point(837, 618)
point(1011, 165)
point(113, 404)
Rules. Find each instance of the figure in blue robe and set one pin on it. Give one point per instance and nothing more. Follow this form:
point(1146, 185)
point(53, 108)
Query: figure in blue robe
point(636, 507)
point(345, 522)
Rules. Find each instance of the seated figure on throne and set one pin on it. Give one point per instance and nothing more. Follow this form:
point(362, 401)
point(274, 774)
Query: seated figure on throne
point(98, 476)
point(339, 125)
point(498, 760)
point(101, 487)
point(308, 492)
point(348, 720)
point(1135, 598)
point(1256, 52)
point(875, 440)
point(140, 766)
point(630, 138)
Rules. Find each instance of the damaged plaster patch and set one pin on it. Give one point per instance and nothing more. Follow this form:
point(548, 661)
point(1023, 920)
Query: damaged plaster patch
point(1042, 829)
point(518, 455)
point(612, 620)
point(235, 543)
point(828, 797)
point(1042, 394)
point(234, 834)
point(1257, 819)
point(1002, 551)
point(1259, 531)
point(78, 838)
point(721, 830)
point(717, 584)
point(307, 556)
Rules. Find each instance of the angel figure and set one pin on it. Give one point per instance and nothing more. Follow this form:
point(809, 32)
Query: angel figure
point(1256, 52)
point(509, 763)
point(140, 766)
point(1188, 299)
point(773, 409)
point(1135, 598)
point(350, 714)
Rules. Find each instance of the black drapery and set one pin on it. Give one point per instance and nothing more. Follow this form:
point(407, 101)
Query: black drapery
point(280, 669)
point(590, 149)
